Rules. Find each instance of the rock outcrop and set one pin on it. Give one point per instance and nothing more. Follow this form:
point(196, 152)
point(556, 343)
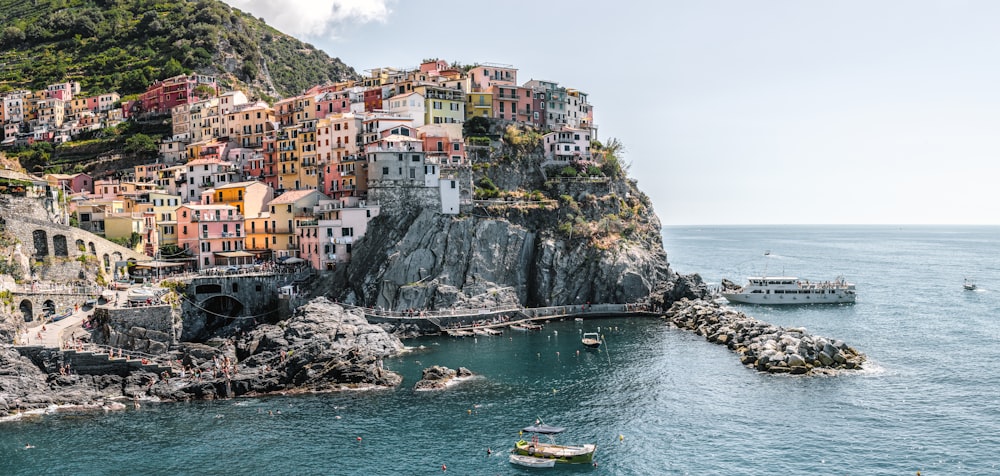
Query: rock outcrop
point(762, 346)
point(439, 378)
point(596, 240)
point(321, 348)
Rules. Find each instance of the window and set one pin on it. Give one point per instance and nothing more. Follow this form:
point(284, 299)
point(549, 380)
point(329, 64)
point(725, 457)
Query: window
point(347, 231)
point(385, 170)
point(452, 184)
point(455, 146)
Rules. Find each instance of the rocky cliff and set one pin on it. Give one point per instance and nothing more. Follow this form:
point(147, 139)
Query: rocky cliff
point(540, 240)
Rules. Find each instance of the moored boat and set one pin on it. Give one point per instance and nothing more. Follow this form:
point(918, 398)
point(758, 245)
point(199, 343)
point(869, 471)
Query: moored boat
point(969, 285)
point(531, 461)
point(591, 340)
point(571, 454)
point(526, 326)
point(791, 290)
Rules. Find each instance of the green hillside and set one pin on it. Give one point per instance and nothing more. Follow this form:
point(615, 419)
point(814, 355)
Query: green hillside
point(123, 45)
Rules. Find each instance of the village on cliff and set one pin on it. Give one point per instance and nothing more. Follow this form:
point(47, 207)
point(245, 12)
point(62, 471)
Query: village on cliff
point(241, 182)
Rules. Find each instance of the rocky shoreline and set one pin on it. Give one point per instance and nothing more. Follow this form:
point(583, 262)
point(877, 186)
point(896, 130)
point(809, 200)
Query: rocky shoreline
point(324, 348)
point(321, 348)
point(762, 346)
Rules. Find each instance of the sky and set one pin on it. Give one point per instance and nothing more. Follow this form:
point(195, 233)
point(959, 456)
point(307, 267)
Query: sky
point(734, 111)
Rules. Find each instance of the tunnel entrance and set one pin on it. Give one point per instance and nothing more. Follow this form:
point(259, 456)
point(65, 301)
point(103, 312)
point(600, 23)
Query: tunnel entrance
point(26, 311)
point(220, 311)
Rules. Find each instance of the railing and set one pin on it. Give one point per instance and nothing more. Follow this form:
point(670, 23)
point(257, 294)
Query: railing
point(56, 289)
point(213, 218)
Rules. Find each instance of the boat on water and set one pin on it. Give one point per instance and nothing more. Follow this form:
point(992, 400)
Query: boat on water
point(791, 290)
point(591, 340)
point(526, 326)
point(969, 285)
point(571, 454)
point(531, 461)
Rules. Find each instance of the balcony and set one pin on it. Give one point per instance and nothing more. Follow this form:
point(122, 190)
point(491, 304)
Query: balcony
point(213, 236)
point(213, 218)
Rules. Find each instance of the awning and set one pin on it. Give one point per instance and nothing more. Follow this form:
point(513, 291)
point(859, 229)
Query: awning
point(156, 264)
point(544, 429)
point(234, 254)
point(293, 260)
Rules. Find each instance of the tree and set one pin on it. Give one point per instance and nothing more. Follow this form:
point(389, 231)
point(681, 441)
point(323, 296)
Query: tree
point(204, 91)
point(173, 68)
point(12, 35)
point(476, 126)
point(141, 145)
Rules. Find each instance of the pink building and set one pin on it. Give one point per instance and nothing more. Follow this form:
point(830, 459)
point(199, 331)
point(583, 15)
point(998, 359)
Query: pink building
point(212, 233)
point(327, 240)
point(162, 96)
point(75, 183)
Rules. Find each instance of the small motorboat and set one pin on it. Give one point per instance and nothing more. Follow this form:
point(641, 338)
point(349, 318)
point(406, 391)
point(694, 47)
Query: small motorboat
point(968, 285)
point(531, 461)
point(591, 340)
point(572, 454)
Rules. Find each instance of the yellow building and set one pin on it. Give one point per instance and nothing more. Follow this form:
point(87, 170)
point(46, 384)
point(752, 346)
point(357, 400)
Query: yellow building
point(129, 225)
point(478, 104)
point(248, 127)
point(309, 166)
point(285, 211)
point(443, 105)
point(295, 110)
point(287, 142)
point(249, 198)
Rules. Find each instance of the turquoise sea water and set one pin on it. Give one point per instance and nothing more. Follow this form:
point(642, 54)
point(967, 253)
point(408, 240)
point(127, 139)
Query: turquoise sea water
point(659, 401)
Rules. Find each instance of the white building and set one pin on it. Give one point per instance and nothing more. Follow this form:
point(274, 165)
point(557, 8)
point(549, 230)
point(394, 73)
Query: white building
point(407, 105)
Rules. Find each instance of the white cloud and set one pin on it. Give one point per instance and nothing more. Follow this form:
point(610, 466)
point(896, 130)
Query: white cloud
point(315, 18)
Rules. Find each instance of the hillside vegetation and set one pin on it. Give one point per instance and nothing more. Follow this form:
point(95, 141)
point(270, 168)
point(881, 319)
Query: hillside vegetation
point(123, 45)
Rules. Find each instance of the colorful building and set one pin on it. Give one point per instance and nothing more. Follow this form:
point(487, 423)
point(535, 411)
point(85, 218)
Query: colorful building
point(211, 233)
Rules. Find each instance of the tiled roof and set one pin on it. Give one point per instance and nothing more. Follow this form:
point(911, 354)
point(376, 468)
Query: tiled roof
point(291, 196)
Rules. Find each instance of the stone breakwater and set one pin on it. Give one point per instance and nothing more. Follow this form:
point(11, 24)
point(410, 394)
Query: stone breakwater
point(763, 346)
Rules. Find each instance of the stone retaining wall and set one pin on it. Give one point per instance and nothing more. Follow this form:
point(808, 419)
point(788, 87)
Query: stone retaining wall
point(152, 329)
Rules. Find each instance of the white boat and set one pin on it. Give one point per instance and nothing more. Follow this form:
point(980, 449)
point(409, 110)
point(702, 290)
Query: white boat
point(531, 461)
point(791, 290)
point(591, 340)
point(969, 285)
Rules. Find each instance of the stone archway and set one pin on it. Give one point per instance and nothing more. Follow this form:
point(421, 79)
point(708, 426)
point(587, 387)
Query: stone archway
point(107, 262)
point(59, 247)
point(93, 249)
point(26, 310)
point(81, 246)
point(41, 241)
point(49, 307)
